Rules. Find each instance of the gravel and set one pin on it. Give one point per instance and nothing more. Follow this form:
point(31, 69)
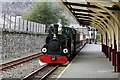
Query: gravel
point(56, 73)
point(22, 70)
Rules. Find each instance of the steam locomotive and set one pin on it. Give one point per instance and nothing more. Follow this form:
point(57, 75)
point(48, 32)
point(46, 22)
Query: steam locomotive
point(60, 47)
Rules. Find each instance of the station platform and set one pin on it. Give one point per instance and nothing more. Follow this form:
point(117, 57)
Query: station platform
point(90, 63)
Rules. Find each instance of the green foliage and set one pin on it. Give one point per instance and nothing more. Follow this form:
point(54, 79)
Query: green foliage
point(98, 38)
point(45, 13)
point(65, 21)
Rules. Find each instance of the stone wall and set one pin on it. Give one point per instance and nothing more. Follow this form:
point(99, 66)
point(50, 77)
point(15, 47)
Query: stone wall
point(0, 45)
point(0, 40)
point(16, 44)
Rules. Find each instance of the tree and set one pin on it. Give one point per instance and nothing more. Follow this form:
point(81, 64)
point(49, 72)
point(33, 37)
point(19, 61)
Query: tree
point(64, 21)
point(46, 13)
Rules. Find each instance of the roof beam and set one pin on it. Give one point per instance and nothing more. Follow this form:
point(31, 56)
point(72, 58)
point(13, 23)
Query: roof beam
point(109, 12)
point(78, 4)
point(82, 14)
point(88, 11)
point(82, 17)
point(81, 10)
point(84, 22)
point(88, 15)
point(114, 7)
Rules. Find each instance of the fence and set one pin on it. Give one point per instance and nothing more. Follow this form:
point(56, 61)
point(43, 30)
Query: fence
point(17, 24)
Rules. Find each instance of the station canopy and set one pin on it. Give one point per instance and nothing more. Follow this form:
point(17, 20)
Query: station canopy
point(87, 12)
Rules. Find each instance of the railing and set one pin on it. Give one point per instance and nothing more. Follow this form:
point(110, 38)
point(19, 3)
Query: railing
point(12, 23)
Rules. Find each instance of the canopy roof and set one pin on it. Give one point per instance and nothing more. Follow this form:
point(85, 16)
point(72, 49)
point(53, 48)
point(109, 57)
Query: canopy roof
point(87, 12)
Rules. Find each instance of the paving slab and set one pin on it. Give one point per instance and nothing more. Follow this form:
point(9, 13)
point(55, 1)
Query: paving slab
point(90, 63)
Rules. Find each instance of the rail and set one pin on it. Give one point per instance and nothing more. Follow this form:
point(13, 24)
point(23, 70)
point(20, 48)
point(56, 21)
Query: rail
point(41, 73)
point(18, 61)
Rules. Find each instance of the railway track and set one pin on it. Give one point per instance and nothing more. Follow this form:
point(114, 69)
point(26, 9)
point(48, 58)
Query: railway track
point(41, 73)
point(18, 61)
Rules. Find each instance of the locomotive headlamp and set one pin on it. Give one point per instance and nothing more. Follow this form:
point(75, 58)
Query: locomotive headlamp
point(65, 50)
point(44, 50)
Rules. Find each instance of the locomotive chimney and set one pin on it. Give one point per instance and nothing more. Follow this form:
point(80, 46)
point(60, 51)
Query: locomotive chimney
point(56, 29)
